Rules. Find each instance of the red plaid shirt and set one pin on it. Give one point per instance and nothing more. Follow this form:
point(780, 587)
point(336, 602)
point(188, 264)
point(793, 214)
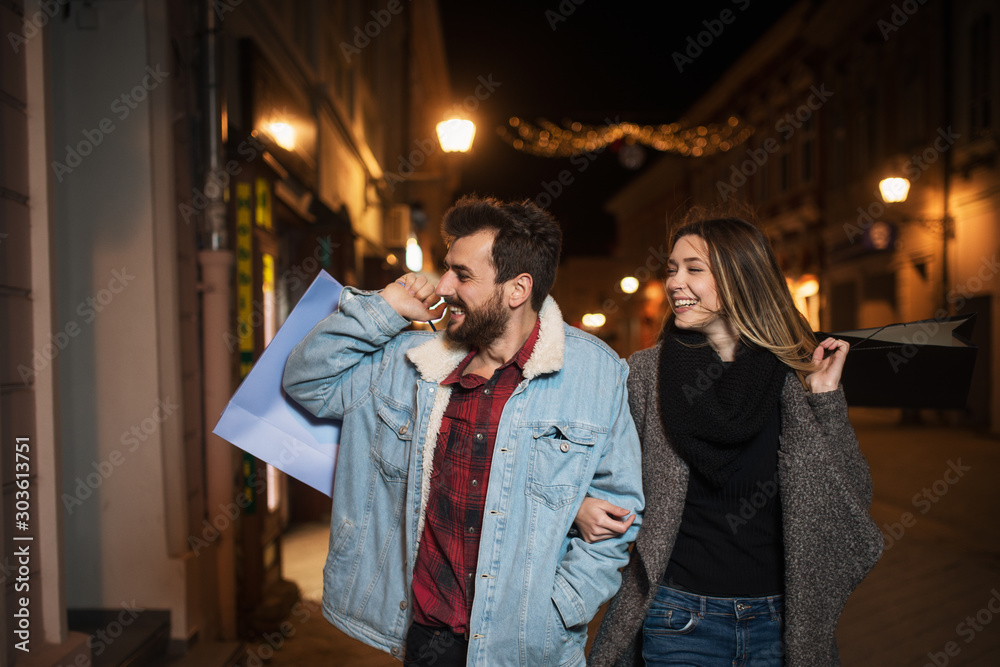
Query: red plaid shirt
point(444, 575)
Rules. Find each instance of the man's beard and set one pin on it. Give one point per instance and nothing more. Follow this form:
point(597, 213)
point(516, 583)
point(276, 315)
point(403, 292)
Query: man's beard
point(482, 326)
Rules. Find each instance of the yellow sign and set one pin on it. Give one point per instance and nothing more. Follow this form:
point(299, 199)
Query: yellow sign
point(244, 276)
point(263, 207)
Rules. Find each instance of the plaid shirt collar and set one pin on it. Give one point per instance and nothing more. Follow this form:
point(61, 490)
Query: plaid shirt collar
point(521, 358)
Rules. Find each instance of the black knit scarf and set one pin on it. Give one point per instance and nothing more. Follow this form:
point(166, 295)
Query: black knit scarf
point(709, 409)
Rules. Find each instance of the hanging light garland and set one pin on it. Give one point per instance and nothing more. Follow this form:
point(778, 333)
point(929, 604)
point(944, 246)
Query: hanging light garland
point(546, 139)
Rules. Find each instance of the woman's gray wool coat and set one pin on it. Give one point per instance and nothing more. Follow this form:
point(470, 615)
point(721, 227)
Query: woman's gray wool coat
point(831, 541)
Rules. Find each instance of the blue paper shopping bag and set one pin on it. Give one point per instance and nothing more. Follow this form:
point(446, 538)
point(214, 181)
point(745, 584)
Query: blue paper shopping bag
point(262, 420)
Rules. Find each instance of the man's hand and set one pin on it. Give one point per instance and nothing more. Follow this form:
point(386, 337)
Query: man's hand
point(598, 520)
point(412, 297)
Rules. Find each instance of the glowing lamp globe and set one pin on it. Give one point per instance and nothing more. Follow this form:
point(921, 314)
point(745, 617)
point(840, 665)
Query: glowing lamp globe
point(894, 189)
point(456, 135)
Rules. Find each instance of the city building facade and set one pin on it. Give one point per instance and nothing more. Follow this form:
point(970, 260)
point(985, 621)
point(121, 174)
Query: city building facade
point(176, 174)
point(843, 96)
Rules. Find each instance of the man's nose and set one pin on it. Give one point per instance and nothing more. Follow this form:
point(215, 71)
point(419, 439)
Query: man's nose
point(444, 286)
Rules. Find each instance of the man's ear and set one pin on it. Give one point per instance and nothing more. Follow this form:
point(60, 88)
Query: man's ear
point(520, 290)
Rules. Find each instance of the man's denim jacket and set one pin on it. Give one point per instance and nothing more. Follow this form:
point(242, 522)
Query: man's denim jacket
point(564, 434)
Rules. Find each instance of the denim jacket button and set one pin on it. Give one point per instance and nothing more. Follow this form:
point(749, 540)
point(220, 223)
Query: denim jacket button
point(564, 447)
point(403, 429)
point(402, 605)
point(394, 650)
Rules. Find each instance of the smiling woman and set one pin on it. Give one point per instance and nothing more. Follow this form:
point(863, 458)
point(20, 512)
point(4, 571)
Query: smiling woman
point(737, 379)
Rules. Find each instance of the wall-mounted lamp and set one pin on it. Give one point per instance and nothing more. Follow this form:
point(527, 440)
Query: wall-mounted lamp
point(456, 135)
point(283, 134)
point(894, 190)
point(414, 255)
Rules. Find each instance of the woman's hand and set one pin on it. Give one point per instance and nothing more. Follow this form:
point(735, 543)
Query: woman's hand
point(826, 377)
point(598, 520)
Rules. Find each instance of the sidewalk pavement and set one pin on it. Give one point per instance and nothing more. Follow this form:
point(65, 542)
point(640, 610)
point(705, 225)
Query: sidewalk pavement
point(933, 599)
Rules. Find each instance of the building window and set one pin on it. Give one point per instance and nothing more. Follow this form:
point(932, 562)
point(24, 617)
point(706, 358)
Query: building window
point(760, 181)
point(838, 141)
point(871, 129)
point(866, 138)
point(980, 75)
point(807, 151)
point(911, 110)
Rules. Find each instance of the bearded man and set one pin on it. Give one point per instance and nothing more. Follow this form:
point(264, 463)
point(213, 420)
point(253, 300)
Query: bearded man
point(465, 454)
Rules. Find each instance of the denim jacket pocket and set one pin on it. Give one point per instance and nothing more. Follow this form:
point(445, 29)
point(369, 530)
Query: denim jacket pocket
point(560, 453)
point(393, 435)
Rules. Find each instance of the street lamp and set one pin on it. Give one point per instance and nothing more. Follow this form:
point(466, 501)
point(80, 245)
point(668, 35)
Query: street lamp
point(894, 190)
point(594, 320)
point(282, 133)
point(629, 284)
point(456, 135)
point(414, 255)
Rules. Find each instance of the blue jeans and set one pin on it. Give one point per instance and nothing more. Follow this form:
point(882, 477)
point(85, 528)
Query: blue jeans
point(687, 629)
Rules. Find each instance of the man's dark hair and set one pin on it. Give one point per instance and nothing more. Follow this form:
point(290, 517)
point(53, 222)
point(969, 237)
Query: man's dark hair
point(528, 239)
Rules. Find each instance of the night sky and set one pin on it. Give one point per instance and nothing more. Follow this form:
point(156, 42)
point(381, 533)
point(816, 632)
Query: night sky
point(586, 61)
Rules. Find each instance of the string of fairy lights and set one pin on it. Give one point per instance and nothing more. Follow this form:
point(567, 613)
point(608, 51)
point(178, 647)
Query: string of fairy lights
point(546, 139)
